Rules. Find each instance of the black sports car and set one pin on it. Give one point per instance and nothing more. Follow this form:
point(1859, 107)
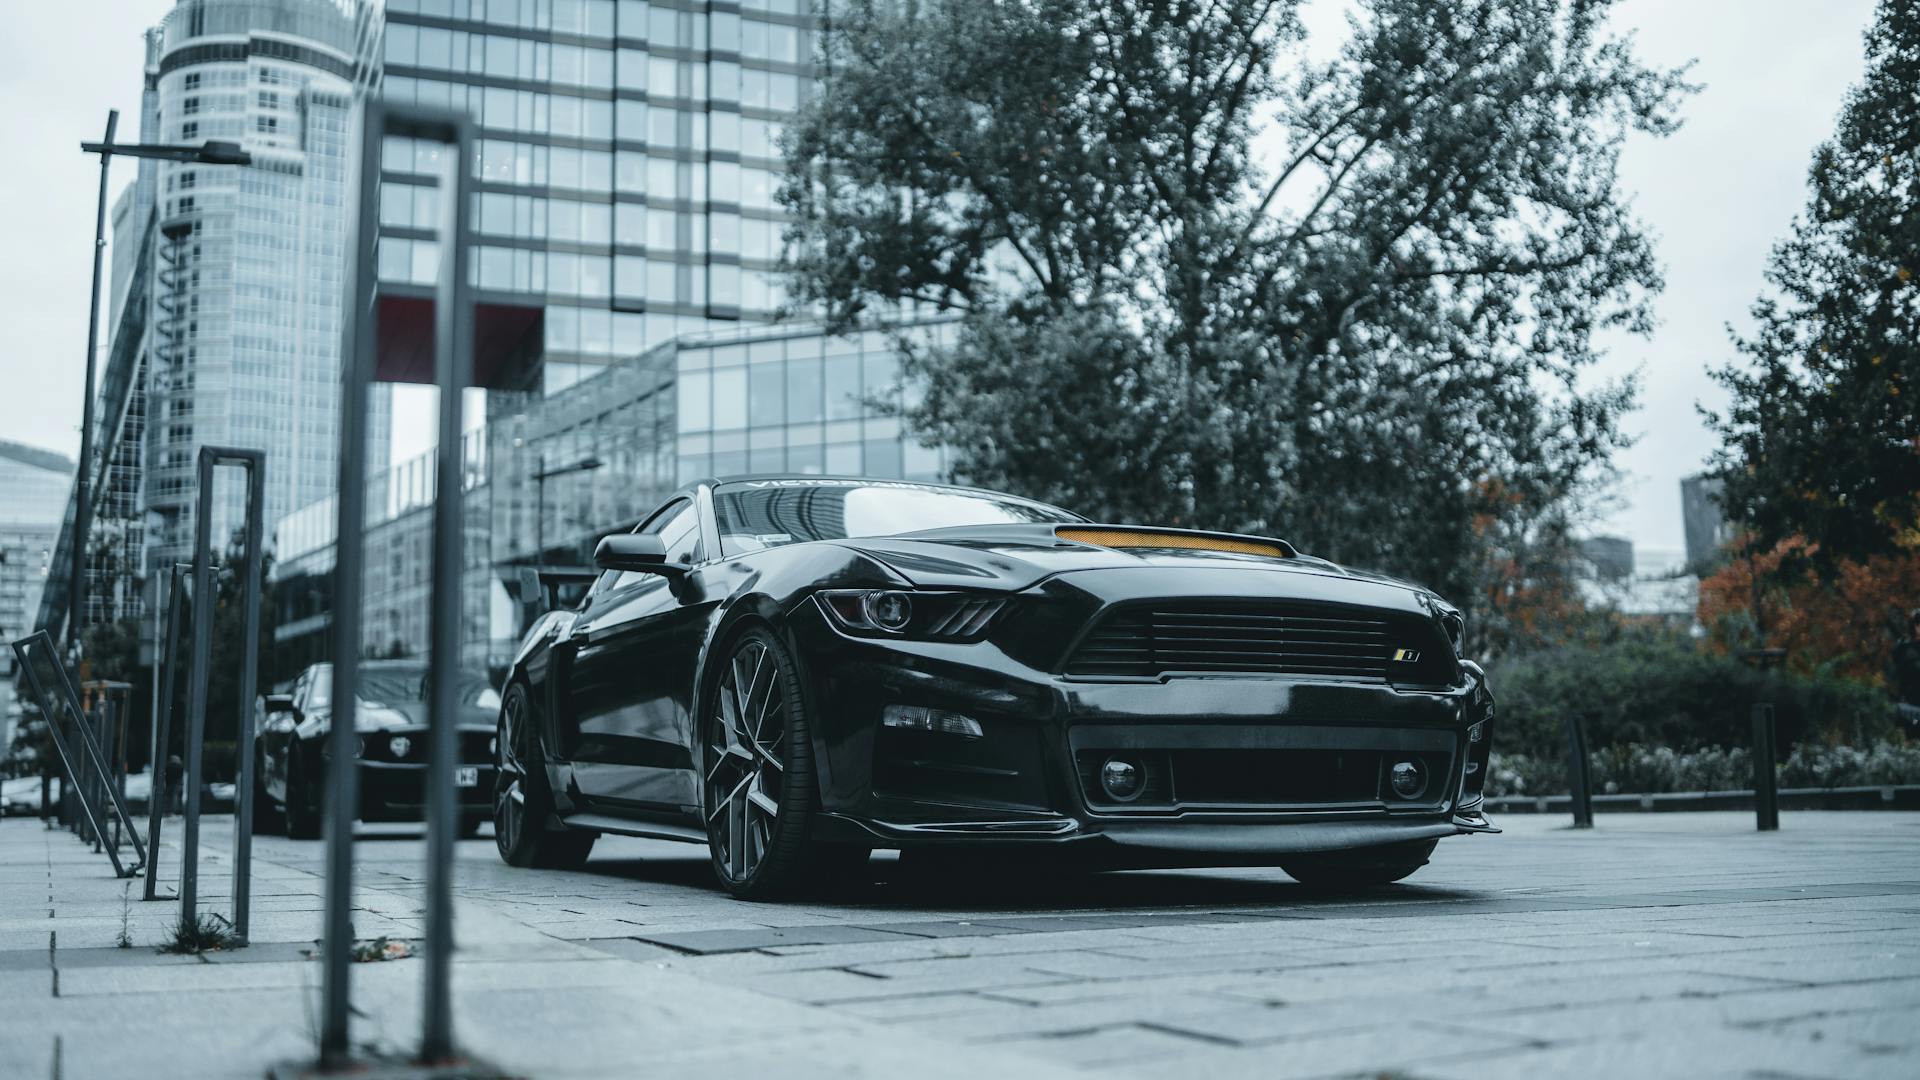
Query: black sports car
point(391, 719)
point(797, 670)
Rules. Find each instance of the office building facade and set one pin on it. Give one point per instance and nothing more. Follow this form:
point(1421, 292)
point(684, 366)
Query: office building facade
point(627, 159)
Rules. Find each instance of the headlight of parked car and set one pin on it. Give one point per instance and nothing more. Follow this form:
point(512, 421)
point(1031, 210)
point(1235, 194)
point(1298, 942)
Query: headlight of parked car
point(922, 616)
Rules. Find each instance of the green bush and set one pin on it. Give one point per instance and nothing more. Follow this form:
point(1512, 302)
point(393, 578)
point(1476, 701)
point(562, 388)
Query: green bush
point(1663, 691)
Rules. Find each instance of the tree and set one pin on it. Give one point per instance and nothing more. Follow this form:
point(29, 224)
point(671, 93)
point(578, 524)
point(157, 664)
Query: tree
point(1822, 439)
point(1843, 622)
point(1373, 345)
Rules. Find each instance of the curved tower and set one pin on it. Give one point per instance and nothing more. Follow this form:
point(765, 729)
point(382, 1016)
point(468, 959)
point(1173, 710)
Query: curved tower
point(248, 281)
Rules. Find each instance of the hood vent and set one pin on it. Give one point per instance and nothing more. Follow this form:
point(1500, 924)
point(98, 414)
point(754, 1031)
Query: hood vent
point(1176, 540)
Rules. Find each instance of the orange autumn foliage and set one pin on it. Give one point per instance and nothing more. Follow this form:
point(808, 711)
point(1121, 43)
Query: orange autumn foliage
point(1845, 626)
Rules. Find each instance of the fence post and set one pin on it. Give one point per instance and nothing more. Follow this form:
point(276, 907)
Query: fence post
point(1766, 786)
point(1579, 773)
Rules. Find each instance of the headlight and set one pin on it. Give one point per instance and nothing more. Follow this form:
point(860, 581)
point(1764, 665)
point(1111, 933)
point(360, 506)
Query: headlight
point(924, 616)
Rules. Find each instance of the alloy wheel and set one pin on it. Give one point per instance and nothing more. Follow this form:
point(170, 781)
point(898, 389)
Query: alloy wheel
point(509, 794)
point(745, 759)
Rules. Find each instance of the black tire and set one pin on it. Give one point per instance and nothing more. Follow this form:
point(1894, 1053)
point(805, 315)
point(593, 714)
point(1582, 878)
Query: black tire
point(759, 823)
point(1362, 868)
point(522, 801)
point(303, 814)
point(268, 817)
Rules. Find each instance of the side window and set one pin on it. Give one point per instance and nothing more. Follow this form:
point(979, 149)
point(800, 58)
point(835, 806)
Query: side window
point(678, 527)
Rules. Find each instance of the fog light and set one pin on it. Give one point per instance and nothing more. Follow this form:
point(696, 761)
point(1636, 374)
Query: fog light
point(400, 745)
point(921, 718)
point(1409, 779)
point(1477, 732)
point(1122, 780)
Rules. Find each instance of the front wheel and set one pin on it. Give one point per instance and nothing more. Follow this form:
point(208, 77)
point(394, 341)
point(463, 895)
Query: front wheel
point(522, 802)
point(303, 805)
point(759, 789)
point(1361, 868)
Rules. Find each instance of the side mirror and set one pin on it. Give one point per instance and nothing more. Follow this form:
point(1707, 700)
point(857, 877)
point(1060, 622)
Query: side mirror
point(638, 552)
point(531, 593)
point(279, 703)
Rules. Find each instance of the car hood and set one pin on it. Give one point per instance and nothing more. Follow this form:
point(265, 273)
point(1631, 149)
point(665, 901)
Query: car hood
point(381, 716)
point(1015, 557)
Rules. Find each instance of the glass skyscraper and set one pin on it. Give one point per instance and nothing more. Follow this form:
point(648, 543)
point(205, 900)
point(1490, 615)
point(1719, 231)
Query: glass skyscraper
point(248, 266)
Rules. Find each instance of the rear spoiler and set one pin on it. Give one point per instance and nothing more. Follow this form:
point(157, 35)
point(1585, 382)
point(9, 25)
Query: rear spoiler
point(1141, 536)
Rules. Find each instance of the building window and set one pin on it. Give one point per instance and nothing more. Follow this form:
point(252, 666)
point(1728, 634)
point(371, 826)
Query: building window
point(269, 99)
point(190, 106)
point(191, 81)
point(266, 125)
point(189, 130)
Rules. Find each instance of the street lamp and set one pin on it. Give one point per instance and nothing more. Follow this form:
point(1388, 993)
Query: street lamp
point(211, 152)
point(540, 478)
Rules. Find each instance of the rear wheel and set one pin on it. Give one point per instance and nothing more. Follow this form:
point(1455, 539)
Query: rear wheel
point(759, 788)
point(522, 801)
point(1361, 868)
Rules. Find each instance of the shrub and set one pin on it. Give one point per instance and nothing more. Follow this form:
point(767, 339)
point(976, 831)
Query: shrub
point(1654, 770)
point(1662, 691)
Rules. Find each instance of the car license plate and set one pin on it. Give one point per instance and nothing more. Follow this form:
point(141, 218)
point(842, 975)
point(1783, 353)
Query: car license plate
point(466, 776)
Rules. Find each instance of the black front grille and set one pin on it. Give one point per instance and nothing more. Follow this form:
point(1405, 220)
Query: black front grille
point(1278, 639)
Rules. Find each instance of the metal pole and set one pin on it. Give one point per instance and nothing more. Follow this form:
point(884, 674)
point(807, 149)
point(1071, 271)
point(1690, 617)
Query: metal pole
point(83, 509)
point(356, 371)
point(453, 370)
point(1579, 773)
point(1766, 786)
point(249, 677)
point(194, 773)
point(539, 509)
point(157, 795)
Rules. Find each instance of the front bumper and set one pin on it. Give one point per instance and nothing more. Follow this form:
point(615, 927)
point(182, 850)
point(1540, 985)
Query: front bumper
point(393, 785)
point(1239, 769)
point(391, 791)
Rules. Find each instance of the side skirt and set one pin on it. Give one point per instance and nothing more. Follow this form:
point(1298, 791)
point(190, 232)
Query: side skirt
point(650, 830)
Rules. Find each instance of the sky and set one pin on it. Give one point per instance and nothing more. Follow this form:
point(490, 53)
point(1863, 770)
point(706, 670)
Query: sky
point(1716, 196)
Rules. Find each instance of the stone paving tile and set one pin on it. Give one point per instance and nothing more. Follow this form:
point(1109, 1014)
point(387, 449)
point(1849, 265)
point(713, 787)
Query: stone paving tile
point(1666, 945)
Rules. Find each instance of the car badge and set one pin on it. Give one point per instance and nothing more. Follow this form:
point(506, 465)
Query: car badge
point(1406, 656)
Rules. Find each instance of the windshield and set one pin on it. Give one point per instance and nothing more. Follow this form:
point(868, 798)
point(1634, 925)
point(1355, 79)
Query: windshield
point(401, 684)
point(756, 514)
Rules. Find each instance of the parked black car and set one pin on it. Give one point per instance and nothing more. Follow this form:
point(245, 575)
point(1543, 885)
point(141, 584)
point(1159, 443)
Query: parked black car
point(391, 720)
point(797, 670)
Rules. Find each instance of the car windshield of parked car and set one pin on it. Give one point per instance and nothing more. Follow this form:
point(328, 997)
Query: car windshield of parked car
point(757, 514)
point(401, 684)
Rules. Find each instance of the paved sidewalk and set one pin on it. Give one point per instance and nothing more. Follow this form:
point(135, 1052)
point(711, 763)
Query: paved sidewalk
point(1681, 945)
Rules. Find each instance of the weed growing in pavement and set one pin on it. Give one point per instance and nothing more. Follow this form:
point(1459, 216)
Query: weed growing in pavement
point(208, 933)
point(125, 940)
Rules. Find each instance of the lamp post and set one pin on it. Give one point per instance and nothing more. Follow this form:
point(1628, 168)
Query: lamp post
point(211, 152)
point(540, 478)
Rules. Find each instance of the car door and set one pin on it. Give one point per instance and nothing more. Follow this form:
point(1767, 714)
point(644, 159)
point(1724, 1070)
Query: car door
point(630, 655)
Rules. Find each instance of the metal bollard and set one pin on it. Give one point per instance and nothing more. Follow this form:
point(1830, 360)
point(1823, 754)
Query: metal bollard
point(254, 461)
point(1579, 774)
point(1766, 786)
